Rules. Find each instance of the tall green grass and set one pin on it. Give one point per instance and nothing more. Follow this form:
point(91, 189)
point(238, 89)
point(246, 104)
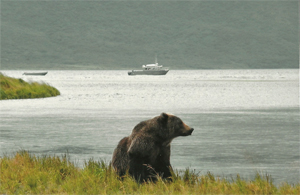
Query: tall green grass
point(11, 88)
point(24, 173)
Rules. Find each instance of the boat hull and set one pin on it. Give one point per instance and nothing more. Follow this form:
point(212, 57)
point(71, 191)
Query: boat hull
point(35, 73)
point(148, 72)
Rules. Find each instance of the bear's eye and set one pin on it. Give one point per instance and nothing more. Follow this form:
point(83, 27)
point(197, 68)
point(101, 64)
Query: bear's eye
point(179, 123)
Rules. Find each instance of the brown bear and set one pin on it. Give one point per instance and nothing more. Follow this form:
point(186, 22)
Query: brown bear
point(146, 152)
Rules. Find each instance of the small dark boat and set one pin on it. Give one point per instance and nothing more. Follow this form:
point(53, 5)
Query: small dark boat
point(35, 73)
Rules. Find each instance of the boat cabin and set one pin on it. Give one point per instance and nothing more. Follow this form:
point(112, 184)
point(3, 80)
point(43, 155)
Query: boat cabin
point(152, 67)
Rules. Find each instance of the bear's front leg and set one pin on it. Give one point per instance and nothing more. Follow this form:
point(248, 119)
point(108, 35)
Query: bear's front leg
point(162, 164)
point(137, 168)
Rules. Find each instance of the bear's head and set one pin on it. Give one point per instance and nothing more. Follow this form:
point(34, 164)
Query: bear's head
point(160, 130)
point(174, 126)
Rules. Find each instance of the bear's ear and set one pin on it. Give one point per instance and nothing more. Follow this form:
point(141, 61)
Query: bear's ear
point(163, 117)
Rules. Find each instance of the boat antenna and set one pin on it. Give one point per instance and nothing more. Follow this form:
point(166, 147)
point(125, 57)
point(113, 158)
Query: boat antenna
point(155, 58)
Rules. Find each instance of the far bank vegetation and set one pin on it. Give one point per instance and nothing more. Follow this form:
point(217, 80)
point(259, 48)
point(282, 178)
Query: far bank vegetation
point(13, 88)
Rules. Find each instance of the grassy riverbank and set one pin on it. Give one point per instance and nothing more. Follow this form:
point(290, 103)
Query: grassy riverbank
point(12, 88)
point(26, 173)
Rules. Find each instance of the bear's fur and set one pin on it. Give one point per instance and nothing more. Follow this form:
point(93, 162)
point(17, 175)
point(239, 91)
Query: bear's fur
point(146, 152)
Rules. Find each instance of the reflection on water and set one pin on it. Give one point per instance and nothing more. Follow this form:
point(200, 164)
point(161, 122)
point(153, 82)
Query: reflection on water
point(245, 120)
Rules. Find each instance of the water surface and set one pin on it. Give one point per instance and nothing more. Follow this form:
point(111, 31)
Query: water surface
point(245, 120)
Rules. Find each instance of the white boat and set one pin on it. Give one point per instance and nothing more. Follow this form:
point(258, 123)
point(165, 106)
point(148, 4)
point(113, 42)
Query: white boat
point(150, 69)
point(35, 73)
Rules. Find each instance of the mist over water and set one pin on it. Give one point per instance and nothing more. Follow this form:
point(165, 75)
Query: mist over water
point(245, 120)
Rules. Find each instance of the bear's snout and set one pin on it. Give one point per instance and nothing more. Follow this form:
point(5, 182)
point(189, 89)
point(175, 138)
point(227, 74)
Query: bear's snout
point(188, 132)
point(191, 131)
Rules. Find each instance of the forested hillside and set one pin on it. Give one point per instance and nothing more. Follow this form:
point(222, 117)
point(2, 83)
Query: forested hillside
point(127, 34)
